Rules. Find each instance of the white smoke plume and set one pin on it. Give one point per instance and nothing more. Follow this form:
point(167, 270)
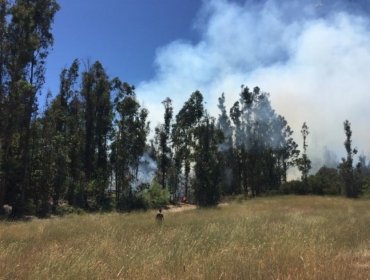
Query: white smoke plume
point(313, 57)
point(146, 171)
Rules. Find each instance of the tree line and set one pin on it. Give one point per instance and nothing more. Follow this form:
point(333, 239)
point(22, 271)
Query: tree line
point(85, 148)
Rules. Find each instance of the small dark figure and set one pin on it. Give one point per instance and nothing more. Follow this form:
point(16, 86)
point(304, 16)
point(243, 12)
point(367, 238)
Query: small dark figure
point(159, 217)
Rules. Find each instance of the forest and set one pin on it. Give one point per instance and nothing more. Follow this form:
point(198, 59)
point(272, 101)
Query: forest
point(89, 146)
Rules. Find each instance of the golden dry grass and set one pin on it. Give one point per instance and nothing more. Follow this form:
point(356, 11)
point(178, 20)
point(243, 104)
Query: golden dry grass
point(267, 238)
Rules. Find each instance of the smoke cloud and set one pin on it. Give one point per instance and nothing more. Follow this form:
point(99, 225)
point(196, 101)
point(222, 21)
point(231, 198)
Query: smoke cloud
point(313, 57)
point(146, 171)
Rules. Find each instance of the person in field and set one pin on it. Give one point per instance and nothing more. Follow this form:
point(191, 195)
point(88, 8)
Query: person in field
point(159, 217)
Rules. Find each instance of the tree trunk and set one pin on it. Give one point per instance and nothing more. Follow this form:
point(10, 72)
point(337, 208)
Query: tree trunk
point(187, 171)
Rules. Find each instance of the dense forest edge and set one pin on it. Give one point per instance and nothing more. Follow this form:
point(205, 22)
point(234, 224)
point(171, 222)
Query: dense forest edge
point(89, 149)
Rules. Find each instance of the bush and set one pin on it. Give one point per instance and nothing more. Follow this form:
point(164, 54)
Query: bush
point(273, 192)
point(107, 204)
point(153, 197)
point(293, 187)
point(63, 208)
point(156, 196)
point(326, 181)
point(133, 202)
point(366, 186)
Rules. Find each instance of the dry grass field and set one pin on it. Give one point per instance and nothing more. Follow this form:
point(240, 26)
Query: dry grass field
point(292, 237)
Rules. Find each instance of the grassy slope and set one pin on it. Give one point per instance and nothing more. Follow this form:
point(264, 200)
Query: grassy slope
point(267, 238)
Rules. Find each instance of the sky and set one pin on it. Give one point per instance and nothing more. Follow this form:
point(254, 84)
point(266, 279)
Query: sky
point(123, 34)
point(312, 56)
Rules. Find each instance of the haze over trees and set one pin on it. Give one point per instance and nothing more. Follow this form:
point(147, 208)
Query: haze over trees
point(86, 147)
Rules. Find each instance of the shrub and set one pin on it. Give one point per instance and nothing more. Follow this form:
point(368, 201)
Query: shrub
point(132, 202)
point(293, 187)
point(64, 208)
point(156, 196)
point(326, 181)
point(153, 197)
point(366, 185)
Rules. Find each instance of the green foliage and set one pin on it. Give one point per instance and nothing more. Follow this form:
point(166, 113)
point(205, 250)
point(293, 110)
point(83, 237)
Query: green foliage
point(129, 141)
point(132, 202)
point(187, 120)
point(207, 168)
point(366, 186)
point(66, 209)
point(293, 187)
point(228, 183)
point(326, 181)
point(352, 188)
point(153, 197)
point(162, 138)
point(304, 163)
point(156, 196)
point(262, 148)
point(25, 29)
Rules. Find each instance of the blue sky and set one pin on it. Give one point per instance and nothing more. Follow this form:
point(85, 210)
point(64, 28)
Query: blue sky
point(123, 34)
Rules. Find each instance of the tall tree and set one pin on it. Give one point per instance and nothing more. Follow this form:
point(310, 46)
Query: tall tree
point(163, 133)
point(98, 124)
point(103, 129)
point(346, 166)
point(226, 148)
point(48, 174)
point(183, 134)
point(304, 163)
point(131, 130)
point(238, 149)
point(286, 149)
point(207, 167)
point(76, 139)
point(263, 145)
point(59, 114)
point(26, 38)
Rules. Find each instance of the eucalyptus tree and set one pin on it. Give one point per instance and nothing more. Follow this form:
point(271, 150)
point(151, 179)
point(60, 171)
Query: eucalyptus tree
point(226, 148)
point(96, 96)
point(129, 140)
point(163, 136)
point(207, 169)
point(50, 157)
point(183, 134)
point(238, 139)
point(304, 163)
point(59, 115)
point(346, 166)
point(262, 143)
point(286, 150)
point(49, 169)
point(26, 39)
